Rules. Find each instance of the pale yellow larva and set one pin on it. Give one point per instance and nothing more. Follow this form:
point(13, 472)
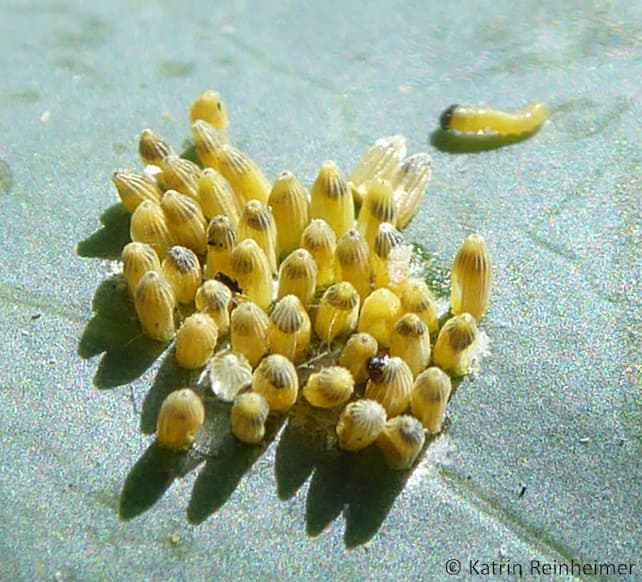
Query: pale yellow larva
point(209, 107)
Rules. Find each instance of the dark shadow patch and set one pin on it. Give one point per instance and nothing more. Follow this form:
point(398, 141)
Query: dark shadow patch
point(108, 242)
point(150, 477)
point(459, 143)
point(227, 462)
point(115, 330)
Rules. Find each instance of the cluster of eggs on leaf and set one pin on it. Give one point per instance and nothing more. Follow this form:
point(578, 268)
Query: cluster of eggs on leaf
point(277, 276)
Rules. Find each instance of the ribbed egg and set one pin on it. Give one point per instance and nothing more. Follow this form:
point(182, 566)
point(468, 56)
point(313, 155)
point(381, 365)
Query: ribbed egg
point(401, 441)
point(429, 398)
point(391, 385)
point(249, 414)
point(329, 387)
point(356, 353)
point(180, 418)
point(275, 379)
point(195, 341)
point(360, 424)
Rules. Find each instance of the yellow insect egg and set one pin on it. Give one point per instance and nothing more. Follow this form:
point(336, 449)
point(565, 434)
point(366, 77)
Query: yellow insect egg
point(209, 107)
point(180, 418)
point(320, 241)
point(186, 221)
point(195, 341)
point(380, 161)
point(207, 141)
point(249, 332)
point(479, 121)
point(352, 262)
point(229, 373)
point(298, 276)
point(221, 240)
point(181, 175)
point(138, 259)
point(182, 271)
point(455, 346)
point(378, 207)
point(289, 330)
point(291, 210)
point(331, 199)
point(251, 270)
point(417, 298)
point(149, 225)
point(429, 398)
point(410, 186)
point(360, 424)
point(257, 223)
point(275, 379)
point(213, 298)
point(216, 196)
point(338, 312)
point(390, 384)
point(471, 278)
point(410, 340)
point(401, 441)
point(329, 387)
point(152, 148)
point(378, 314)
point(249, 414)
point(245, 177)
point(389, 264)
point(155, 303)
point(133, 188)
point(356, 354)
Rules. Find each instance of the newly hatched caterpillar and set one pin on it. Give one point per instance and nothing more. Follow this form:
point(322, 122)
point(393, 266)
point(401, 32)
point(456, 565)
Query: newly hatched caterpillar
point(209, 107)
point(249, 413)
point(179, 420)
point(479, 121)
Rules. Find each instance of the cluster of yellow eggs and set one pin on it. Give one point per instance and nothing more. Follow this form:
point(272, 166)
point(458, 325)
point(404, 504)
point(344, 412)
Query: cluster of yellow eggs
point(276, 276)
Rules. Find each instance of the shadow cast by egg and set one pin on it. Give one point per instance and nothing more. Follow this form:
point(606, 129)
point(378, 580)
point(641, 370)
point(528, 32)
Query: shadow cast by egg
point(115, 331)
point(108, 241)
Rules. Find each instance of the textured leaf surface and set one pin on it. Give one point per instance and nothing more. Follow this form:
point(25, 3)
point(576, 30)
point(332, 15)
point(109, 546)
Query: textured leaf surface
point(555, 413)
